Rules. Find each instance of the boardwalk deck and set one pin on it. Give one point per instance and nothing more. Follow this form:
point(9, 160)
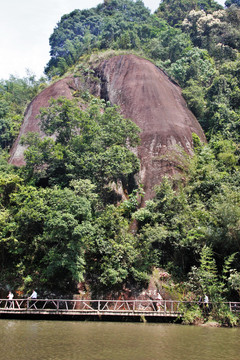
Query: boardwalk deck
point(100, 308)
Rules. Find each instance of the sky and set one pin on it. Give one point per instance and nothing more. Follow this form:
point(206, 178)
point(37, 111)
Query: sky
point(25, 28)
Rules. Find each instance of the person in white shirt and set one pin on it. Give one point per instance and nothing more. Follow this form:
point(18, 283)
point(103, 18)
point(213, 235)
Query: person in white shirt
point(206, 303)
point(159, 302)
point(34, 295)
point(10, 298)
point(206, 300)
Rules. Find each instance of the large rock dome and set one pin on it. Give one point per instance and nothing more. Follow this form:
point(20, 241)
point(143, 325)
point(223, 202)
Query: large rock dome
point(147, 96)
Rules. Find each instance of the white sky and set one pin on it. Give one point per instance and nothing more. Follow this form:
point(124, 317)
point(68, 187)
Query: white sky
point(25, 28)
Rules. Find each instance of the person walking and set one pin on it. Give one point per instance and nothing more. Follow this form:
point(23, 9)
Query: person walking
point(159, 301)
point(10, 300)
point(33, 297)
point(206, 303)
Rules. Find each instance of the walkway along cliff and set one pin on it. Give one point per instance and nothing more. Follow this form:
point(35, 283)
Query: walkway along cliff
point(99, 309)
point(147, 96)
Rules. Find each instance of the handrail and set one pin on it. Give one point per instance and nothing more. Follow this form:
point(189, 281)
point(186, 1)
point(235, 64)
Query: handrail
point(104, 306)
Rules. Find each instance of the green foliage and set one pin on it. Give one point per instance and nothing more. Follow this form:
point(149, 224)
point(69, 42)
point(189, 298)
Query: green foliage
point(15, 94)
point(174, 12)
point(224, 316)
point(57, 226)
point(48, 233)
point(223, 101)
point(229, 3)
point(234, 280)
point(8, 184)
point(216, 32)
point(90, 144)
point(205, 280)
point(115, 23)
point(195, 65)
point(114, 255)
point(208, 274)
point(183, 51)
point(177, 224)
point(49, 230)
point(192, 315)
point(131, 204)
point(169, 46)
point(201, 54)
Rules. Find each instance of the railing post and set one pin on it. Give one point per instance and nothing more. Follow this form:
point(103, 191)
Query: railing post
point(98, 305)
point(165, 305)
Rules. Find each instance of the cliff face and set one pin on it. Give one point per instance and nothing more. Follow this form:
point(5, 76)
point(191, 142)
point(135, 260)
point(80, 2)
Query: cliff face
point(31, 121)
point(147, 96)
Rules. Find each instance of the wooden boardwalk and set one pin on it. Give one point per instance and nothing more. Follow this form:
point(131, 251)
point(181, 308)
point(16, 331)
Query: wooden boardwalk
point(100, 308)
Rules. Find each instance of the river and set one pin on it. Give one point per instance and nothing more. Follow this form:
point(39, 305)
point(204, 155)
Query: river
point(75, 340)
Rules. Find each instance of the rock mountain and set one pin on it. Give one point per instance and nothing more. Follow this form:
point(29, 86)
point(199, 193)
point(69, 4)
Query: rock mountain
point(147, 96)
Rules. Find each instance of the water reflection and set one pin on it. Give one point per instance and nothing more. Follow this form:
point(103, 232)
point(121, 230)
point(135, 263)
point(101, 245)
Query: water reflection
point(61, 340)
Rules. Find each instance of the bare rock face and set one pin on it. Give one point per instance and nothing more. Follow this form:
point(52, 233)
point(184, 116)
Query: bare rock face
point(31, 121)
point(147, 96)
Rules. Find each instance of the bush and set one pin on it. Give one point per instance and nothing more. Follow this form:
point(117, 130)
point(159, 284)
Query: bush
point(193, 316)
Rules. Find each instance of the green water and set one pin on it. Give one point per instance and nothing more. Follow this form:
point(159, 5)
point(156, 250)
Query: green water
point(58, 340)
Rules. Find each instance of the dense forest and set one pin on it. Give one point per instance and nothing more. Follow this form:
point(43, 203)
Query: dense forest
point(60, 224)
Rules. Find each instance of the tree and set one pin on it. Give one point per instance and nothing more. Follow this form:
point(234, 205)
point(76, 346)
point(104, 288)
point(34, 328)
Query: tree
point(49, 235)
point(114, 257)
point(195, 65)
point(217, 32)
point(101, 27)
point(229, 3)
point(208, 273)
point(194, 96)
point(91, 144)
point(175, 11)
point(205, 281)
point(169, 45)
point(15, 93)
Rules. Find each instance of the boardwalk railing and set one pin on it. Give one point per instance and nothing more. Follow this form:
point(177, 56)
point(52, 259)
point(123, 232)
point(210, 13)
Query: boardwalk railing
point(102, 307)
